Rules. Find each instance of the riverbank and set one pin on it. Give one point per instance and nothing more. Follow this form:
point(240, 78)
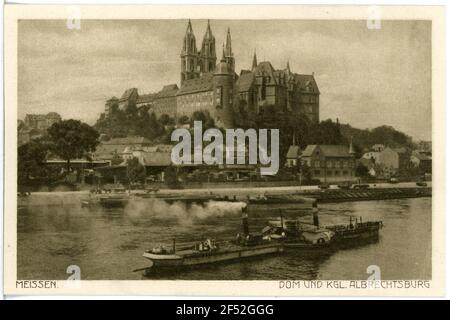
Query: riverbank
point(374, 192)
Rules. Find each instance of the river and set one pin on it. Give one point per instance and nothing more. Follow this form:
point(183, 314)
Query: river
point(54, 231)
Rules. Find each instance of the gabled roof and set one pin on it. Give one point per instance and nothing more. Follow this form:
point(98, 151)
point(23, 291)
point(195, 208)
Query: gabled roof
point(305, 80)
point(127, 94)
point(294, 152)
point(245, 81)
point(169, 90)
point(146, 98)
point(204, 83)
point(264, 67)
point(328, 150)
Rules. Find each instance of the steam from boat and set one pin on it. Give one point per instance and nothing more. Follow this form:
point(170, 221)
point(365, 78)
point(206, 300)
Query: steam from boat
point(181, 211)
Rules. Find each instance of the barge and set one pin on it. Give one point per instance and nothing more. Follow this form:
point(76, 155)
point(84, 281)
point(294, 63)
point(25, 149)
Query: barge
point(206, 254)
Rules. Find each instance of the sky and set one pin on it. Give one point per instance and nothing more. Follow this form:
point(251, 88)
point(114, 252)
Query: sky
point(367, 77)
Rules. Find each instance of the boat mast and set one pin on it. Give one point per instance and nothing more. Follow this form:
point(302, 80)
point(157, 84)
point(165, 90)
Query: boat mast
point(245, 221)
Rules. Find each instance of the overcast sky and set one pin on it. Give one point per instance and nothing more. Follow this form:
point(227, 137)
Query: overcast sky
point(366, 77)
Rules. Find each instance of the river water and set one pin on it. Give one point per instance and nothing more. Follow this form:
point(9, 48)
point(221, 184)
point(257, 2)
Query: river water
point(54, 231)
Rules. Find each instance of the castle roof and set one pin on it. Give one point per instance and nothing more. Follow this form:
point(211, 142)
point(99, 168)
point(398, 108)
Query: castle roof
point(245, 81)
point(127, 94)
point(146, 98)
point(264, 68)
point(169, 90)
point(306, 80)
point(204, 83)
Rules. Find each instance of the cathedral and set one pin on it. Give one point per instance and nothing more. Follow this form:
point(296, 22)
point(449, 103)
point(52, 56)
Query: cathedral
point(208, 85)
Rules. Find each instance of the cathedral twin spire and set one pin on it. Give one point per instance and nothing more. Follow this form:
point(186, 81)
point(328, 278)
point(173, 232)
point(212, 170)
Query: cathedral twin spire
point(194, 62)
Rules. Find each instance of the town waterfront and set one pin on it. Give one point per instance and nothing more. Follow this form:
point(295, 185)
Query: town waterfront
point(54, 232)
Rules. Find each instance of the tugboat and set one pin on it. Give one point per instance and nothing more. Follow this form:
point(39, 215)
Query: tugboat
point(209, 251)
point(297, 235)
point(356, 230)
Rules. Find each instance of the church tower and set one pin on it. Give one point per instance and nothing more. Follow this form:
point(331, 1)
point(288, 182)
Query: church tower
point(189, 56)
point(208, 52)
point(229, 57)
point(223, 93)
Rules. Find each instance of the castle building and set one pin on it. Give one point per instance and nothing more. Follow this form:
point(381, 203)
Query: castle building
point(35, 126)
point(206, 85)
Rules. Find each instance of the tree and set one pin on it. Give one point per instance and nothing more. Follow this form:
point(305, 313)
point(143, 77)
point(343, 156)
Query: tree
point(72, 139)
point(135, 171)
point(325, 132)
point(204, 117)
point(305, 171)
point(361, 171)
point(171, 178)
point(165, 120)
point(30, 161)
point(183, 119)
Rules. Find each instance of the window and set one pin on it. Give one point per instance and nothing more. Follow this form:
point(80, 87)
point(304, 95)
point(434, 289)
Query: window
point(263, 92)
point(329, 164)
point(329, 172)
point(336, 172)
point(317, 164)
point(219, 96)
point(345, 172)
point(345, 164)
point(317, 172)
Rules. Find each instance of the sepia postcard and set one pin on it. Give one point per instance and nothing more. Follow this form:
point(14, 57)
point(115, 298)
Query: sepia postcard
point(224, 150)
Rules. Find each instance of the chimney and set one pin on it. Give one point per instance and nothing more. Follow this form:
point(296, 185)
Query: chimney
point(351, 150)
